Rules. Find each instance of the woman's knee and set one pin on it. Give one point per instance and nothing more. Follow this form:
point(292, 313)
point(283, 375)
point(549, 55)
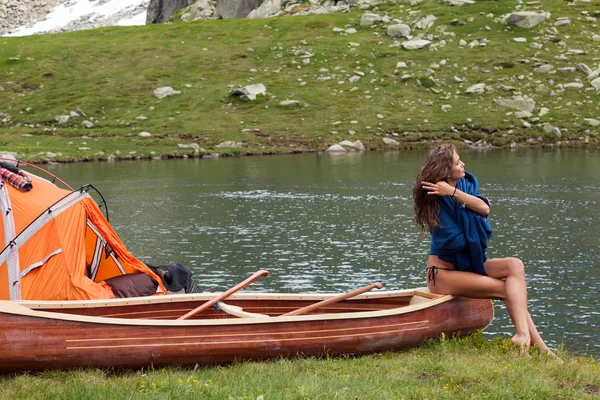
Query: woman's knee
point(516, 267)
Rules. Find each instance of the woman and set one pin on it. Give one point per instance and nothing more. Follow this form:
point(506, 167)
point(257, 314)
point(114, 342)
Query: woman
point(449, 206)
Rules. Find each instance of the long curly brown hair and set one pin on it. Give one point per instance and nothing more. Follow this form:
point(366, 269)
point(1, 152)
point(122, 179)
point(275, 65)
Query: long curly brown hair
point(436, 167)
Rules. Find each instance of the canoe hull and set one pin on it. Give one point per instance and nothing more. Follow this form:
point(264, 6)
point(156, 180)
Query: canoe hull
point(31, 342)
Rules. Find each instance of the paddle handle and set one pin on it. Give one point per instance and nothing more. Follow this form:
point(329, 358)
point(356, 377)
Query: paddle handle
point(335, 299)
point(225, 295)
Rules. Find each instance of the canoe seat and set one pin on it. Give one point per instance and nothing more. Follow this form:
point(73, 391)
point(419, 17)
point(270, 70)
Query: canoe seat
point(238, 311)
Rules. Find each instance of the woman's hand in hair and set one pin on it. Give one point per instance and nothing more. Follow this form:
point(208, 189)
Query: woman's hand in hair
point(441, 188)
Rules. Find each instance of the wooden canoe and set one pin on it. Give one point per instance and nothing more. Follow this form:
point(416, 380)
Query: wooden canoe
point(140, 332)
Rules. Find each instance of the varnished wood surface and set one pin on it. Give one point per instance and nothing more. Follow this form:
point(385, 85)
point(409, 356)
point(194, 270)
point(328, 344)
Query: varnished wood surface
point(34, 340)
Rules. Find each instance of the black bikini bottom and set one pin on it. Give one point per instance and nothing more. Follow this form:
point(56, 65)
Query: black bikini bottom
point(433, 270)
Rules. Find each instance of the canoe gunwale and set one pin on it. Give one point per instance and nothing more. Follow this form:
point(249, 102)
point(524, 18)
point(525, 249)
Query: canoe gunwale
point(205, 296)
point(22, 308)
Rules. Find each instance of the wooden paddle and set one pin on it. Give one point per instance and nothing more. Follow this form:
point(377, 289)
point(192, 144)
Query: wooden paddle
point(335, 299)
point(225, 295)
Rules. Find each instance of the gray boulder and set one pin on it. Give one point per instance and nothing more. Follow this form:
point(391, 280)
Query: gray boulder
point(525, 19)
point(517, 103)
point(425, 22)
point(268, 8)
point(62, 119)
point(161, 10)
point(202, 9)
point(234, 9)
point(399, 30)
point(336, 148)
point(249, 92)
point(370, 19)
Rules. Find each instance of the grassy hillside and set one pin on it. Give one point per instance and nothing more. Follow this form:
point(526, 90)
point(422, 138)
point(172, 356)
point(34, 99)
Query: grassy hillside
point(111, 74)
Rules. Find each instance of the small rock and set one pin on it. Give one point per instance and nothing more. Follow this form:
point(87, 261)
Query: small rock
point(416, 44)
point(548, 128)
point(476, 88)
point(144, 134)
point(229, 143)
point(544, 68)
point(399, 30)
point(370, 19)
point(523, 114)
point(87, 124)
point(390, 142)
point(290, 103)
point(357, 145)
point(518, 103)
point(525, 19)
point(249, 92)
point(166, 91)
point(62, 119)
point(426, 22)
point(591, 121)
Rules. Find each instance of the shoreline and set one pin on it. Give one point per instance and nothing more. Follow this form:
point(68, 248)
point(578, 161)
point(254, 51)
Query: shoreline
point(40, 159)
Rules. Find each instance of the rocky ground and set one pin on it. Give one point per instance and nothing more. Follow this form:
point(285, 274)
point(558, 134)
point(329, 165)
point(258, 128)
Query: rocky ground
point(18, 14)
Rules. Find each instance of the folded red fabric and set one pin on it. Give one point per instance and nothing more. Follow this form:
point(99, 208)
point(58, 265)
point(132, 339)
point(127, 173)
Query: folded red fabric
point(19, 180)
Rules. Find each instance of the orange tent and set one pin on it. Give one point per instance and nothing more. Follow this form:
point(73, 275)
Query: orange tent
point(58, 245)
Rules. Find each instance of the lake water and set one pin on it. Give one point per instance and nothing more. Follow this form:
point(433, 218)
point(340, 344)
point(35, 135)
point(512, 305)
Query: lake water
point(323, 223)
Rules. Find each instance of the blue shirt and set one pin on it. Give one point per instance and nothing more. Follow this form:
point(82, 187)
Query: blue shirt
point(462, 235)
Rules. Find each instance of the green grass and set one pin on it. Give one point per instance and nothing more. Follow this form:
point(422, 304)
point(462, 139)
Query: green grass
point(464, 368)
point(111, 73)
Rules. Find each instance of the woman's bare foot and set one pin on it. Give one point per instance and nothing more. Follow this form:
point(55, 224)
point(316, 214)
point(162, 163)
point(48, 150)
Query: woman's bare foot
point(553, 355)
point(523, 342)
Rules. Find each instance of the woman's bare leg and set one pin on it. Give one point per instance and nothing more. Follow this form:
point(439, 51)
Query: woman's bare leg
point(468, 284)
point(513, 271)
point(535, 336)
